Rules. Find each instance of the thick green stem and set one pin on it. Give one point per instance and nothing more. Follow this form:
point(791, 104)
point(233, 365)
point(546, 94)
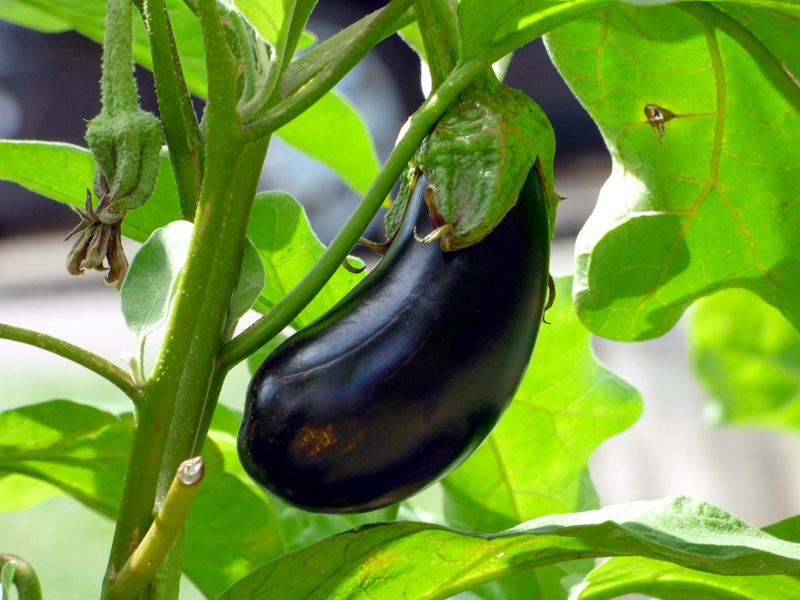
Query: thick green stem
point(76, 354)
point(175, 104)
point(439, 29)
point(25, 579)
point(775, 70)
point(119, 88)
point(186, 364)
point(290, 305)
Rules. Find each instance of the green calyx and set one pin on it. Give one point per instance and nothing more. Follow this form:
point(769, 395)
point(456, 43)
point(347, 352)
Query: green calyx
point(126, 148)
point(476, 161)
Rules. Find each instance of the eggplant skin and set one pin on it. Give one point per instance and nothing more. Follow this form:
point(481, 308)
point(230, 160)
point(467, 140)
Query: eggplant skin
point(408, 374)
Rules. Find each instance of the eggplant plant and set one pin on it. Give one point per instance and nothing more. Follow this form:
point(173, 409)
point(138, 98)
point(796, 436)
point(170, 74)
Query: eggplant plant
point(698, 105)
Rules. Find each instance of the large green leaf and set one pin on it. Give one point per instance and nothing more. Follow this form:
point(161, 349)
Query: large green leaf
point(535, 462)
point(625, 575)
point(748, 356)
point(347, 145)
point(64, 172)
point(664, 580)
point(78, 449)
point(83, 451)
point(280, 231)
point(414, 560)
point(713, 204)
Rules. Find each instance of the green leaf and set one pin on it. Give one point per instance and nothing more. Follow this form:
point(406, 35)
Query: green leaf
point(713, 204)
point(81, 450)
point(18, 492)
point(64, 172)
point(252, 278)
point(21, 13)
point(332, 131)
point(84, 452)
point(150, 284)
point(414, 560)
point(536, 461)
point(287, 245)
point(624, 575)
point(664, 580)
point(748, 357)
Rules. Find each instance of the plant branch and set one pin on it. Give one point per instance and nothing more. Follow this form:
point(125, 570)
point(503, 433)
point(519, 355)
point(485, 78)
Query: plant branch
point(772, 67)
point(439, 29)
point(118, 86)
point(175, 104)
point(302, 70)
point(76, 354)
point(298, 102)
point(25, 578)
point(145, 562)
point(290, 305)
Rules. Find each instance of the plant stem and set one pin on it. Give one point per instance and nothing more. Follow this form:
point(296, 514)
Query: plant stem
point(290, 305)
point(297, 103)
point(315, 60)
point(144, 563)
point(118, 86)
point(76, 354)
point(769, 64)
point(186, 364)
point(439, 29)
point(25, 578)
point(175, 104)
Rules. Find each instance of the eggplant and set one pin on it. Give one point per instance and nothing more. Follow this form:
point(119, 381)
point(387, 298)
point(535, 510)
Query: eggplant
point(408, 374)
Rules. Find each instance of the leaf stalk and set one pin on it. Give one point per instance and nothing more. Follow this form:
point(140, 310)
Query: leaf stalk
point(76, 354)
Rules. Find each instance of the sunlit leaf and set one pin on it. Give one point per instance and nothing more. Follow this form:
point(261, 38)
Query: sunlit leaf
point(425, 562)
point(64, 172)
point(712, 204)
point(748, 356)
point(667, 581)
point(281, 233)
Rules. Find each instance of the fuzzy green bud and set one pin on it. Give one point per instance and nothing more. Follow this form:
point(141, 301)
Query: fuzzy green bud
point(126, 148)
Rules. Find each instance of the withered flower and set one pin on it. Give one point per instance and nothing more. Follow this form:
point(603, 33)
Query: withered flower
point(98, 241)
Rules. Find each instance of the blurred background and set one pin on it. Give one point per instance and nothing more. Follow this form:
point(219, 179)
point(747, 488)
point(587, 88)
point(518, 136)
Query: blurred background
point(49, 87)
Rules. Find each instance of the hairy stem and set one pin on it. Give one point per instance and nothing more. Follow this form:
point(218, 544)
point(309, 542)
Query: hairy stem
point(290, 305)
point(175, 104)
point(76, 354)
point(118, 85)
